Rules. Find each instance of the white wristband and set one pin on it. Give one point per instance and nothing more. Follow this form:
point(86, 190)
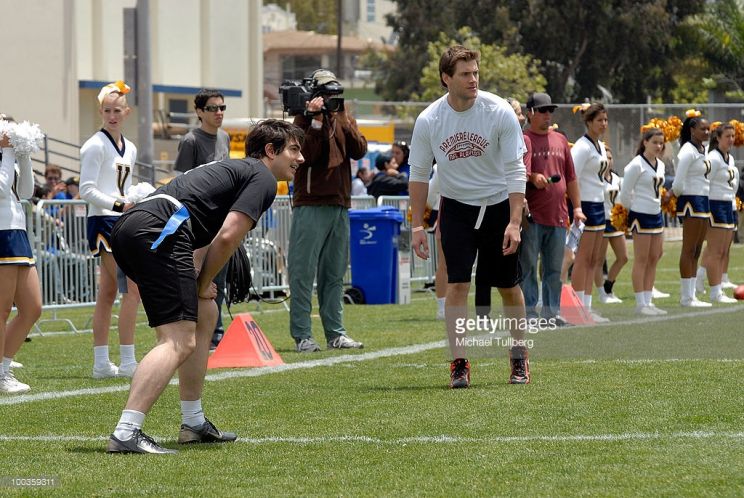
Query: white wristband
point(417, 229)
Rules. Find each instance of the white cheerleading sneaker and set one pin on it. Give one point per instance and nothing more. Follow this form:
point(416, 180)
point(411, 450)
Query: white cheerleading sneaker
point(657, 294)
point(723, 299)
point(106, 371)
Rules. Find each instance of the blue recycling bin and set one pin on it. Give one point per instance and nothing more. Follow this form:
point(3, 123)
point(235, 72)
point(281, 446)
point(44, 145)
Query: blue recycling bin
point(374, 252)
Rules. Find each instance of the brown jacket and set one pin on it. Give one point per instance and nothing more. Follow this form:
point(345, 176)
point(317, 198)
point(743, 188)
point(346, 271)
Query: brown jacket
point(324, 179)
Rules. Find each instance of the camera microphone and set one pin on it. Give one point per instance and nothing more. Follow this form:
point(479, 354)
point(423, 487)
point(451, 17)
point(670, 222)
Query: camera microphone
point(550, 179)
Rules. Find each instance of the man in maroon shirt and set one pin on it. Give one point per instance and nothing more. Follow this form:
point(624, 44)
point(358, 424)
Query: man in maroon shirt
point(550, 176)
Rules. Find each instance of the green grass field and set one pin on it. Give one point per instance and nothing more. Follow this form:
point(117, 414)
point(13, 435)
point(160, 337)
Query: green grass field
point(637, 407)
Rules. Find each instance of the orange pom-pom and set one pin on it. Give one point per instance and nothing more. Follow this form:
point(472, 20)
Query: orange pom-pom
point(427, 215)
point(738, 132)
point(668, 202)
point(619, 217)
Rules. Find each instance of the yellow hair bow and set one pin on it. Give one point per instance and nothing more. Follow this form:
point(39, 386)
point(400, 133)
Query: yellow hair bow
point(581, 107)
point(117, 86)
point(693, 113)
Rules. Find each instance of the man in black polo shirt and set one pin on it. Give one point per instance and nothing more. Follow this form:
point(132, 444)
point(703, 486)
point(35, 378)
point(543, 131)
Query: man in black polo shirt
point(197, 221)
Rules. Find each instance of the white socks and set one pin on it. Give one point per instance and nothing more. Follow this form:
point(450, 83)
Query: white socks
point(715, 291)
point(130, 421)
point(647, 296)
point(192, 413)
point(440, 304)
point(6, 366)
point(701, 273)
point(101, 356)
point(687, 288)
point(126, 351)
point(640, 298)
point(587, 300)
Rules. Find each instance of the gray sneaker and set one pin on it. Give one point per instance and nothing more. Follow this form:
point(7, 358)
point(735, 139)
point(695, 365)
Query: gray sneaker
point(308, 346)
point(205, 433)
point(344, 342)
point(138, 443)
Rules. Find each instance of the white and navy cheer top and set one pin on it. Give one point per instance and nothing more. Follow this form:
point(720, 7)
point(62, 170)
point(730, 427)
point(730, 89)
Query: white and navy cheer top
point(642, 182)
point(590, 163)
point(105, 172)
point(15, 184)
point(693, 170)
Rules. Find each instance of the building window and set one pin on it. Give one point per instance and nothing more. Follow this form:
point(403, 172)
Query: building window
point(180, 106)
point(297, 67)
point(371, 10)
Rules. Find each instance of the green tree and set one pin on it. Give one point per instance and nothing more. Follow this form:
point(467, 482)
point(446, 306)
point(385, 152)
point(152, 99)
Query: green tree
point(629, 47)
point(315, 15)
point(720, 34)
point(512, 75)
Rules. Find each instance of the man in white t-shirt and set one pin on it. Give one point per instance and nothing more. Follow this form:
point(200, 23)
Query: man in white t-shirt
point(477, 143)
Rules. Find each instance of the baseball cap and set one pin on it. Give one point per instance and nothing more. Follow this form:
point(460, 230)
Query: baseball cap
point(73, 180)
point(540, 101)
point(326, 82)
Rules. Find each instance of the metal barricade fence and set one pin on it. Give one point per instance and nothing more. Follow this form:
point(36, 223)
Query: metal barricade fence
point(69, 274)
point(67, 270)
point(422, 270)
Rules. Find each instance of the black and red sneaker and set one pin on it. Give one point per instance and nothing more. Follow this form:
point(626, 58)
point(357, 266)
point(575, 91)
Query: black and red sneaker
point(460, 373)
point(520, 365)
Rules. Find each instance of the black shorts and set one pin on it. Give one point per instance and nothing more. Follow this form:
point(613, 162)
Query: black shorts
point(461, 242)
point(165, 276)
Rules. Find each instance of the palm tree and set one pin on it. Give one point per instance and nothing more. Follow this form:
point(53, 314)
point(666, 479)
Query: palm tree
point(721, 31)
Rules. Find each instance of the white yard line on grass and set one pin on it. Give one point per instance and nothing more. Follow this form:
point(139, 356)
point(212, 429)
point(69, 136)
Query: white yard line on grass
point(232, 374)
point(324, 362)
point(423, 439)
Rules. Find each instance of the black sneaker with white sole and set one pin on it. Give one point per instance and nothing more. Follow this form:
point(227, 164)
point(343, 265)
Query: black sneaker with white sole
point(205, 433)
point(138, 443)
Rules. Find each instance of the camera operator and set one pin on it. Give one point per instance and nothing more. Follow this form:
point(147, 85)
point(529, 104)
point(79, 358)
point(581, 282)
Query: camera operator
point(319, 237)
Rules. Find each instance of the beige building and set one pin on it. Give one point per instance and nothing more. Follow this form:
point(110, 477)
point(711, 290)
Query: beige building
point(67, 49)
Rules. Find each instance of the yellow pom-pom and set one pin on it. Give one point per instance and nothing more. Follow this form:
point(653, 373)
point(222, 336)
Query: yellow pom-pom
point(427, 215)
point(739, 204)
point(738, 132)
point(668, 202)
point(581, 107)
point(619, 217)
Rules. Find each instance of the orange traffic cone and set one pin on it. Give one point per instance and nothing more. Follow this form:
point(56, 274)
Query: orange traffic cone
point(572, 309)
point(244, 345)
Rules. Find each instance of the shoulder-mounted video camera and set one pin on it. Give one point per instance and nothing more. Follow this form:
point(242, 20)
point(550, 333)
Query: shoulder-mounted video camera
point(296, 94)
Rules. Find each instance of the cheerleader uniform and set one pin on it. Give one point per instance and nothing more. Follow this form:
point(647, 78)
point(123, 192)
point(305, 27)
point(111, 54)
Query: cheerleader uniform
point(724, 182)
point(105, 175)
point(15, 184)
point(642, 182)
point(590, 163)
point(612, 190)
point(691, 183)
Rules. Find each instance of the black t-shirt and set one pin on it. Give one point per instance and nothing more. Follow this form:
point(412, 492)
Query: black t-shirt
point(212, 190)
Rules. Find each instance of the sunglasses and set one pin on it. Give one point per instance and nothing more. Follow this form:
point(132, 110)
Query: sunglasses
point(53, 178)
point(543, 110)
point(215, 108)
